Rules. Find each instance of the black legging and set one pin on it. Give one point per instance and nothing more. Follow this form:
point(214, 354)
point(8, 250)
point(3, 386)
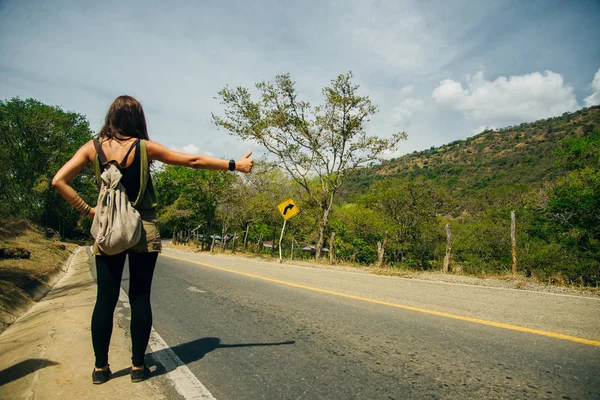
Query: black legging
point(109, 271)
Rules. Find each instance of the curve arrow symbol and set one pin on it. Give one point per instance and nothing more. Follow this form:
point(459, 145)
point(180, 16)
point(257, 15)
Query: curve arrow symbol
point(287, 208)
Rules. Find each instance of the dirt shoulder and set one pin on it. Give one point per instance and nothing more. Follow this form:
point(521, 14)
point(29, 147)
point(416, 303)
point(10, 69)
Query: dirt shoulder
point(498, 281)
point(25, 281)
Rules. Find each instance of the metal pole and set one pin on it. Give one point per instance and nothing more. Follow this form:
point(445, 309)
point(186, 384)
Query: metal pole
point(280, 239)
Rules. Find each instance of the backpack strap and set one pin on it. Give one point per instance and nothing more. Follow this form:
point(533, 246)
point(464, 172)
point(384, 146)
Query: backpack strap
point(145, 179)
point(98, 158)
point(99, 151)
point(124, 161)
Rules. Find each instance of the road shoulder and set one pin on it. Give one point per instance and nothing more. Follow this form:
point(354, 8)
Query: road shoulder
point(47, 352)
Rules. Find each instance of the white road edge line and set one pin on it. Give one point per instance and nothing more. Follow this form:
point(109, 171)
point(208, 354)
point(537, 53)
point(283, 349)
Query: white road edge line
point(185, 382)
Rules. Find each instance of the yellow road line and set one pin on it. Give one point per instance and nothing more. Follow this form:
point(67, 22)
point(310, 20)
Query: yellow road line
point(421, 310)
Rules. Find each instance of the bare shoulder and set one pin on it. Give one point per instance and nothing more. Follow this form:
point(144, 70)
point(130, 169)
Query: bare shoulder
point(87, 150)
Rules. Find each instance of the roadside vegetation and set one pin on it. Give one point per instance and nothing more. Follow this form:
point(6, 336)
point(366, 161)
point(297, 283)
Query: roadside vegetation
point(390, 213)
point(25, 278)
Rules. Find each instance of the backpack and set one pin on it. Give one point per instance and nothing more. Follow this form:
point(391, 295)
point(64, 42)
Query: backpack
point(117, 225)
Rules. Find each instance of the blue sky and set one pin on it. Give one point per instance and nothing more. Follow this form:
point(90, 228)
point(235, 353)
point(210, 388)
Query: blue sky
point(439, 70)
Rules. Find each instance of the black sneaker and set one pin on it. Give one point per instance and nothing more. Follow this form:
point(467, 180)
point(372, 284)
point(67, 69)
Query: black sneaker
point(99, 377)
point(138, 375)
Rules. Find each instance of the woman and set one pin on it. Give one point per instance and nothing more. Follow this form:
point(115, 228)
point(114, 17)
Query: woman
point(119, 140)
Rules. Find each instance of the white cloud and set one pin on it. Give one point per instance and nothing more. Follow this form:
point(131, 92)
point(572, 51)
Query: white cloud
point(594, 98)
point(174, 58)
point(507, 101)
point(190, 149)
point(402, 112)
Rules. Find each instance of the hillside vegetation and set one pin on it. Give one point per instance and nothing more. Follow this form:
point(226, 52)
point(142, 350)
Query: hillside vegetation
point(546, 171)
point(495, 167)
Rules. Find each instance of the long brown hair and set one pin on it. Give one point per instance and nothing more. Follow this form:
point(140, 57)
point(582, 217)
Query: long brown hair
point(125, 118)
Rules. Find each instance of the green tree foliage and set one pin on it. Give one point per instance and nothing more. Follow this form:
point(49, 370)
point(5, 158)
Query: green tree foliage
point(411, 206)
point(482, 243)
point(574, 203)
point(358, 229)
point(250, 203)
point(188, 197)
point(35, 141)
point(575, 200)
point(323, 143)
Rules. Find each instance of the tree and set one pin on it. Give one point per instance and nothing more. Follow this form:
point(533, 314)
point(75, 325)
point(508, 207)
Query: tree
point(323, 143)
point(358, 229)
point(575, 200)
point(412, 206)
point(253, 198)
point(35, 141)
point(188, 197)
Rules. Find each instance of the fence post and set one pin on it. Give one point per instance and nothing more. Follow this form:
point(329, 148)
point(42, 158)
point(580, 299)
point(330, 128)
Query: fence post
point(381, 250)
point(332, 248)
point(245, 248)
point(448, 256)
point(513, 237)
point(292, 252)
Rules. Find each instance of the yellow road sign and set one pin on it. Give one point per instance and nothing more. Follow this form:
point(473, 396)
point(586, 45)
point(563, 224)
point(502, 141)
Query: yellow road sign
point(288, 209)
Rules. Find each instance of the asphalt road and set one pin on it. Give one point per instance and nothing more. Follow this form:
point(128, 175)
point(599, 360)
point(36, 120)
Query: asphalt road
point(256, 330)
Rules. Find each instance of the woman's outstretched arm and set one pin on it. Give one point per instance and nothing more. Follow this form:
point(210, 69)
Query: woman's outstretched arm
point(157, 151)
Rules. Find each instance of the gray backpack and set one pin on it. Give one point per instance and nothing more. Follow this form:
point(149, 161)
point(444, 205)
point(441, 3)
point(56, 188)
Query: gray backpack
point(117, 225)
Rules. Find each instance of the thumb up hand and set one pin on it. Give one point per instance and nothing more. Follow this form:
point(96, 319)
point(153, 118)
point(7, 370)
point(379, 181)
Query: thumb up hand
point(244, 164)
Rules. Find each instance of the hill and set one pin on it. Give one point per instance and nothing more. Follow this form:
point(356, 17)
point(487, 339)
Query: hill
point(493, 167)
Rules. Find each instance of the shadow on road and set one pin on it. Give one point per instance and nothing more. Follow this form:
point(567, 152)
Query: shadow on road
point(195, 350)
point(23, 368)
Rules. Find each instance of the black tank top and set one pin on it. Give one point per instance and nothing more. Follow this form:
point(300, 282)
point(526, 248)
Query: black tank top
point(131, 174)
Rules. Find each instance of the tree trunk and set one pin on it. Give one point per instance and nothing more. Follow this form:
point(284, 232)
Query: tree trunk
point(332, 248)
point(212, 247)
point(381, 250)
point(234, 242)
point(448, 256)
point(513, 237)
point(322, 225)
point(207, 235)
point(259, 243)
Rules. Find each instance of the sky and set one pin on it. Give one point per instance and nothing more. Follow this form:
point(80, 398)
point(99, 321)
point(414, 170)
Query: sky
point(438, 70)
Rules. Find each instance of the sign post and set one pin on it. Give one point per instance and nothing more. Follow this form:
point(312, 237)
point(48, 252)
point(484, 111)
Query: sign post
point(288, 209)
point(280, 239)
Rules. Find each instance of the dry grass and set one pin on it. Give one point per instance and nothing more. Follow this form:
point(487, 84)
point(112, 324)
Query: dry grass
point(46, 254)
point(22, 279)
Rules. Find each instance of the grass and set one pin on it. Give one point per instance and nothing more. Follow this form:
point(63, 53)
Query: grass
point(20, 279)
